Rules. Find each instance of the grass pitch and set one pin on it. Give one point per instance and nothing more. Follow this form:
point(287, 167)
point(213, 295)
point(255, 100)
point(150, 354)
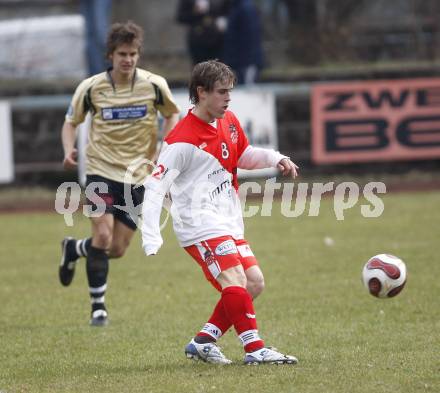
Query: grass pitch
point(314, 307)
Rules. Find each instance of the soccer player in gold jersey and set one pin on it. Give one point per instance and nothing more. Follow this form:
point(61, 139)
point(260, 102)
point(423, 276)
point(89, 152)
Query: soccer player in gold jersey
point(123, 103)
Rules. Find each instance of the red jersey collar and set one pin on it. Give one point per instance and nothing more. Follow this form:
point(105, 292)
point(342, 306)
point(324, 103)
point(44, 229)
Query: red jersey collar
point(202, 122)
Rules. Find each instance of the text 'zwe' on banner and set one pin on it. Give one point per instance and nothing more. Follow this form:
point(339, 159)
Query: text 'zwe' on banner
point(376, 121)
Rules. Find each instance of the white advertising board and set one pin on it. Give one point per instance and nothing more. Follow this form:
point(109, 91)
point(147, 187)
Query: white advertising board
point(6, 150)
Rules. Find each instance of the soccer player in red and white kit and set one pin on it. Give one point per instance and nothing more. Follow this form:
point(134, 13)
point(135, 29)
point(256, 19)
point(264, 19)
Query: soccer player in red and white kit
point(198, 167)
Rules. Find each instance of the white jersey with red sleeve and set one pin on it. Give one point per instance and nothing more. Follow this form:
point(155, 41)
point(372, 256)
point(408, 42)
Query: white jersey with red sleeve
point(198, 167)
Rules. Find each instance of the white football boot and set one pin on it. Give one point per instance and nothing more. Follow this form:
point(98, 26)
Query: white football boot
point(208, 352)
point(99, 318)
point(268, 355)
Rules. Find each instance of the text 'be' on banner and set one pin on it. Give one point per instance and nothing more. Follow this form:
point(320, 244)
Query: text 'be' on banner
point(375, 121)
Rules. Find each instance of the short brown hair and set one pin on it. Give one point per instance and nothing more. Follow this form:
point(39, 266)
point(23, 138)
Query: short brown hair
point(205, 75)
point(124, 33)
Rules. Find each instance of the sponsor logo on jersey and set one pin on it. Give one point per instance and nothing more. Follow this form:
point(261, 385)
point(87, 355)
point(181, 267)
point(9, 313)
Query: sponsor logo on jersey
point(122, 113)
point(225, 248)
point(226, 185)
point(209, 258)
point(234, 133)
point(216, 172)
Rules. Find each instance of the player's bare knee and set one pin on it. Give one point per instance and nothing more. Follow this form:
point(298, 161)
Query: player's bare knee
point(102, 238)
point(255, 286)
point(117, 251)
point(233, 276)
point(242, 281)
point(118, 247)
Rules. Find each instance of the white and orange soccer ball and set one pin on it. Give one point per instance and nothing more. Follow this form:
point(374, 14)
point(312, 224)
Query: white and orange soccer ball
point(384, 275)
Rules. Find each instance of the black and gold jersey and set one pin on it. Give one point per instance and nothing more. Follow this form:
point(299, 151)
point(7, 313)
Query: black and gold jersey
point(124, 126)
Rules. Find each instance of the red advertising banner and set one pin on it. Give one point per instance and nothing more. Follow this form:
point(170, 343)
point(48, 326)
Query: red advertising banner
point(376, 121)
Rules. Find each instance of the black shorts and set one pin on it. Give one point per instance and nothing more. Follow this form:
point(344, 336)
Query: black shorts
point(110, 196)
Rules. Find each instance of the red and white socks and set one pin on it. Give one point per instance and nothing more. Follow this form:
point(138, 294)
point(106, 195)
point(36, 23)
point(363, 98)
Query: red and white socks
point(236, 308)
point(240, 310)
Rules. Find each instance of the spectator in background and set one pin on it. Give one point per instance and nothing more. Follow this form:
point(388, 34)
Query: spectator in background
point(277, 11)
point(97, 15)
point(207, 20)
point(243, 51)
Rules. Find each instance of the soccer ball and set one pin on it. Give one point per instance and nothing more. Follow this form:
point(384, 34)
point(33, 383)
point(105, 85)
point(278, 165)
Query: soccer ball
point(384, 275)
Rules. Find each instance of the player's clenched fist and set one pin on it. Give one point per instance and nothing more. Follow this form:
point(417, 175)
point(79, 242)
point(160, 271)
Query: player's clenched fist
point(71, 160)
point(287, 167)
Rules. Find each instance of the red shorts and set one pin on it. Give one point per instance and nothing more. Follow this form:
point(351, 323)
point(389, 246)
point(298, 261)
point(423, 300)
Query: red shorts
point(221, 253)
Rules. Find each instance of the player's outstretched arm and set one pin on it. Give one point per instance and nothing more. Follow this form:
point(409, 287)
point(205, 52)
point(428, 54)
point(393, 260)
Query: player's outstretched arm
point(157, 186)
point(257, 158)
point(287, 167)
point(68, 137)
point(151, 209)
